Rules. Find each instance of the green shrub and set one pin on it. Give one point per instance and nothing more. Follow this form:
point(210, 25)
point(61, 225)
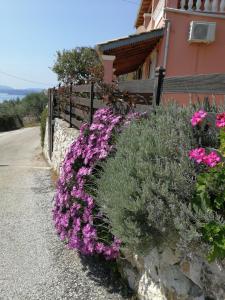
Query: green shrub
point(214, 234)
point(31, 105)
point(146, 189)
point(210, 198)
point(222, 141)
point(10, 122)
point(210, 190)
point(44, 116)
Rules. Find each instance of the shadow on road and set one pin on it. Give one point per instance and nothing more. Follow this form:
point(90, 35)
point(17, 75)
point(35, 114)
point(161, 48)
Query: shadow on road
point(106, 274)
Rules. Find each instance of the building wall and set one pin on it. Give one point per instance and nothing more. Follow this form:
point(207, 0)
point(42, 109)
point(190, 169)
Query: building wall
point(157, 15)
point(185, 58)
point(158, 52)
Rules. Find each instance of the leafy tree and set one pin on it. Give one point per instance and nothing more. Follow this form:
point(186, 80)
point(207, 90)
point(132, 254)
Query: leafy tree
point(33, 105)
point(77, 65)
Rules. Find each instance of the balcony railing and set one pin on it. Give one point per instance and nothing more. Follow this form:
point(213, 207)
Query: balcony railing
point(206, 6)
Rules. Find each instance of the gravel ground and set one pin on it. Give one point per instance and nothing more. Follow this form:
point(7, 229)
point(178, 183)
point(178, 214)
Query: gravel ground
point(34, 264)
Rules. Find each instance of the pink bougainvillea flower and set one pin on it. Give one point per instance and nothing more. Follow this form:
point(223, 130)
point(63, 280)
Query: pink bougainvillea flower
point(197, 155)
point(212, 159)
point(220, 120)
point(100, 248)
point(198, 117)
point(75, 212)
point(83, 172)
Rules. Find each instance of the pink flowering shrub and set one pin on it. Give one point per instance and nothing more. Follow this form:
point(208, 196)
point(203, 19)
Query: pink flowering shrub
point(198, 117)
point(212, 159)
point(77, 218)
point(210, 190)
point(199, 156)
point(220, 120)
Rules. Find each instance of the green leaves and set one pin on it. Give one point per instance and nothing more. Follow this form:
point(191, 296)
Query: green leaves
point(210, 190)
point(210, 198)
point(214, 234)
point(222, 141)
point(210, 195)
point(76, 65)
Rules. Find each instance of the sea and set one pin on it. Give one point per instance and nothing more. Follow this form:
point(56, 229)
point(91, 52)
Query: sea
point(4, 97)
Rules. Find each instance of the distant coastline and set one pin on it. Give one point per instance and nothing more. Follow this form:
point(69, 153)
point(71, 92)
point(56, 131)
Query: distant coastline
point(9, 93)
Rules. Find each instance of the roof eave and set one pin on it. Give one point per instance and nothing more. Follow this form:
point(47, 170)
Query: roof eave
point(139, 11)
point(133, 39)
point(141, 7)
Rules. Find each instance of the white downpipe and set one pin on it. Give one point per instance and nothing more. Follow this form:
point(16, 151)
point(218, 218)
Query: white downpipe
point(168, 24)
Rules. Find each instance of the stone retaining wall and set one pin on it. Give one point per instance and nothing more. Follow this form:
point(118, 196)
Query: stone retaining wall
point(63, 137)
point(165, 274)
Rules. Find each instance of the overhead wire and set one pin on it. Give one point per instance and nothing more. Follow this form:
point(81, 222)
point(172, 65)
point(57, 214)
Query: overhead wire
point(129, 1)
point(23, 79)
point(38, 82)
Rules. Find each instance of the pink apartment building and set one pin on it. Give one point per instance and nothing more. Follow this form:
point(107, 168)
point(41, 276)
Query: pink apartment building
point(186, 37)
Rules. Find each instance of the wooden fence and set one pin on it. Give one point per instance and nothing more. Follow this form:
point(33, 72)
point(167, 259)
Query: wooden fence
point(198, 84)
point(76, 104)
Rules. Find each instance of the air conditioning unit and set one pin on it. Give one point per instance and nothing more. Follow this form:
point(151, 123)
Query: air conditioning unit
point(202, 32)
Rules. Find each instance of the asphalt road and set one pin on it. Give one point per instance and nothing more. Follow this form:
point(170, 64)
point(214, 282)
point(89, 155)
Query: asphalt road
point(34, 264)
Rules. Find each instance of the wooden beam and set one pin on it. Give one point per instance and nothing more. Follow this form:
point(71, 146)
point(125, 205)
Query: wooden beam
point(76, 123)
point(86, 102)
point(204, 84)
point(209, 84)
point(77, 112)
point(83, 88)
point(137, 86)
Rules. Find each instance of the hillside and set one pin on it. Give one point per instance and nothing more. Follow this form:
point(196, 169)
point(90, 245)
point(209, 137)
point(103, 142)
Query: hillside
point(11, 91)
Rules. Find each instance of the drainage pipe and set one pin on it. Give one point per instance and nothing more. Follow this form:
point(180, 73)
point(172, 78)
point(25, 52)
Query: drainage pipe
point(168, 25)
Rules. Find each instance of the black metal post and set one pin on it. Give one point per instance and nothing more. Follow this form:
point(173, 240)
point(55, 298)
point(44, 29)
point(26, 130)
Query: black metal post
point(50, 122)
point(53, 122)
point(159, 77)
point(57, 101)
point(91, 102)
point(71, 91)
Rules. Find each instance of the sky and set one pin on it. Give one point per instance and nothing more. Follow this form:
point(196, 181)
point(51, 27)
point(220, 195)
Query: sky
point(31, 31)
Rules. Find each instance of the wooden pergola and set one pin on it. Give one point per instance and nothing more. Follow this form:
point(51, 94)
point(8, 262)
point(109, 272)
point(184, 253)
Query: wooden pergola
point(130, 52)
